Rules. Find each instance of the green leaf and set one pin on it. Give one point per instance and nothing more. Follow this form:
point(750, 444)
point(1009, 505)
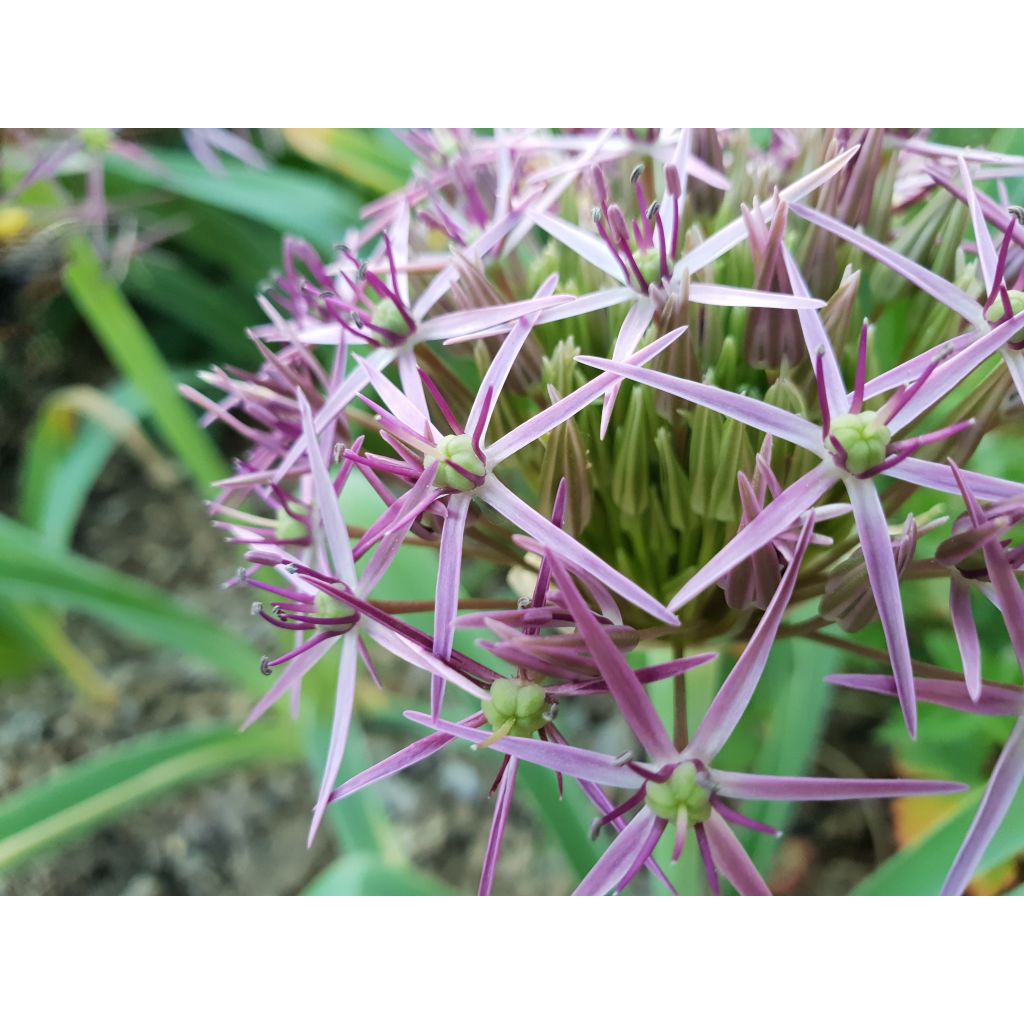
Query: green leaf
point(215, 311)
point(288, 200)
point(87, 794)
point(34, 571)
point(362, 874)
point(565, 821)
point(921, 868)
point(372, 158)
point(134, 353)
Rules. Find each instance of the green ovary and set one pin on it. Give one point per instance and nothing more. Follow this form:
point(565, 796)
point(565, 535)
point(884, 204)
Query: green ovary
point(388, 317)
point(456, 448)
point(680, 792)
point(648, 262)
point(515, 708)
point(864, 439)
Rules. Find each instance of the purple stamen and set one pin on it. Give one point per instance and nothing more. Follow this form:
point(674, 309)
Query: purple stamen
point(862, 370)
point(705, 856)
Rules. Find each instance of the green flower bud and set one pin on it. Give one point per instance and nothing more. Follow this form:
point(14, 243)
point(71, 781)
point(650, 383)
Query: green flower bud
point(457, 448)
point(96, 139)
point(648, 262)
point(515, 708)
point(1016, 302)
point(680, 792)
point(388, 317)
point(864, 439)
point(328, 607)
point(288, 528)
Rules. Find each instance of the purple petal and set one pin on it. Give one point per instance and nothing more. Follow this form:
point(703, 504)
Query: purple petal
point(446, 600)
point(335, 533)
point(954, 370)
point(732, 234)
point(343, 702)
point(638, 319)
point(405, 758)
point(880, 562)
point(764, 528)
point(938, 288)
point(502, 804)
point(749, 298)
point(817, 340)
point(966, 633)
point(613, 864)
point(587, 246)
point(750, 411)
point(452, 325)
point(574, 761)
point(993, 699)
point(940, 478)
point(530, 521)
point(622, 682)
point(501, 365)
point(290, 679)
point(1002, 788)
point(565, 408)
point(986, 250)
point(909, 371)
point(781, 787)
point(732, 860)
point(732, 699)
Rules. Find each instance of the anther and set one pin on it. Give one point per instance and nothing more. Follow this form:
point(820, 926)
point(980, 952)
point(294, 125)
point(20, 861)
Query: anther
point(635, 175)
point(1017, 213)
point(265, 665)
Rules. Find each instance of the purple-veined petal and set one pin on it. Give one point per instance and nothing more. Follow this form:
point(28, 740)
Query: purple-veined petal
point(765, 527)
point(567, 760)
point(750, 411)
point(638, 319)
point(628, 691)
point(335, 533)
point(880, 562)
point(453, 325)
point(940, 478)
point(420, 657)
point(732, 699)
point(407, 510)
point(446, 599)
point(502, 804)
point(907, 372)
point(579, 305)
point(743, 786)
point(749, 298)
point(613, 864)
point(816, 339)
point(291, 677)
point(993, 699)
point(501, 365)
point(987, 256)
point(1001, 573)
point(565, 408)
point(732, 860)
point(1002, 788)
point(530, 521)
point(343, 703)
point(732, 234)
point(336, 403)
point(937, 287)
point(587, 246)
point(418, 751)
point(1015, 365)
point(596, 796)
point(398, 403)
point(966, 633)
point(450, 274)
point(956, 369)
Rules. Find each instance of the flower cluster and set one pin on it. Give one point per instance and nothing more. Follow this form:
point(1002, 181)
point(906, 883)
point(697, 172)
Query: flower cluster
point(714, 471)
